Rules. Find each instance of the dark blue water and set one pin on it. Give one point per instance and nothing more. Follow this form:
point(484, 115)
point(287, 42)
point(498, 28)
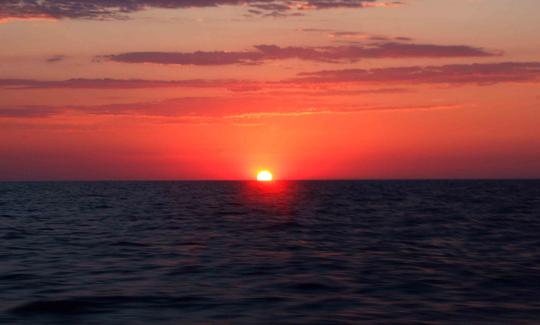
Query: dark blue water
point(431, 252)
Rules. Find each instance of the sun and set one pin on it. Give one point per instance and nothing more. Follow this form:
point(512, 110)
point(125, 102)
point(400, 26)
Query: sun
point(264, 176)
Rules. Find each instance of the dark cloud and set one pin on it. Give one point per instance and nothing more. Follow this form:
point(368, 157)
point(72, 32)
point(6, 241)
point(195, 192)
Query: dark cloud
point(355, 35)
point(335, 54)
point(477, 73)
point(192, 58)
point(119, 83)
point(55, 58)
point(486, 73)
point(288, 90)
point(105, 9)
point(29, 111)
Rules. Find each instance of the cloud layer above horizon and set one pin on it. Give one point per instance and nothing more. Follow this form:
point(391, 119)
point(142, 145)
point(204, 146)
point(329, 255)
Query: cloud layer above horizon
point(329, 54)
point(476, 73)
point(118, 9)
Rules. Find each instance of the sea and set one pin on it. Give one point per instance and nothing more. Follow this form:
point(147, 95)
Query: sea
point(283, 252)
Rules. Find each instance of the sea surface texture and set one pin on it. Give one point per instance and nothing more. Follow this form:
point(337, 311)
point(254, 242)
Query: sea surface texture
point(366, 252)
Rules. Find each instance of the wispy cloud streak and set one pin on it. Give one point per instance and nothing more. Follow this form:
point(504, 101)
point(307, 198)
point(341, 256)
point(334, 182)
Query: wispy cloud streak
point(476, 73)
point(119, 83)
point(210, 109)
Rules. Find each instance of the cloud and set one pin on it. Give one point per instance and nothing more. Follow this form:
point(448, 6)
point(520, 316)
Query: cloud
point(120, 83)
point(212, 109)
point(335, 54)
point(29, 111)
point(476, 73)
point(199, 107)
point(262, 114)
point(387, 4)
point(364, 36)
point(4, 19)
point(354, 37)
point(192, 58)
point(287, 90)
point(119, 9)
point(317, 81)
point(55, 58)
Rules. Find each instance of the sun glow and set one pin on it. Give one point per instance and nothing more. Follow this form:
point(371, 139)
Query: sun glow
point(264, 176)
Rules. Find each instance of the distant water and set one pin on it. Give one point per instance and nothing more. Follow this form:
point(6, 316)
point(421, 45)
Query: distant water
point(428, 252)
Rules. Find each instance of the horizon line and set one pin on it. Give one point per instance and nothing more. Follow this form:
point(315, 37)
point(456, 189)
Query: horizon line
point(275, 180)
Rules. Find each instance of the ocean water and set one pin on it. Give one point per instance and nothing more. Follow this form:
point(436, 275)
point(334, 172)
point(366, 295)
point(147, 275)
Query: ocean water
point(365, 252)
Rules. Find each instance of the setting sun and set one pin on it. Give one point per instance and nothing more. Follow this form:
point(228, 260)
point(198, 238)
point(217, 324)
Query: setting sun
point(264, 176)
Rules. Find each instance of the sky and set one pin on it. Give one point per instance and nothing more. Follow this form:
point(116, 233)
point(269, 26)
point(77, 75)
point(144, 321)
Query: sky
point(311, 89)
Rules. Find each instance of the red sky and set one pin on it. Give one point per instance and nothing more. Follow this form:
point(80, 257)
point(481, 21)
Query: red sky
point(185, 89)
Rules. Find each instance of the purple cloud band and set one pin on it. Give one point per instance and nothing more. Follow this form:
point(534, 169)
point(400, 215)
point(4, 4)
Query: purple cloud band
point(477, 73)
point(29, 111)
point(118, 83)
point(335, 54)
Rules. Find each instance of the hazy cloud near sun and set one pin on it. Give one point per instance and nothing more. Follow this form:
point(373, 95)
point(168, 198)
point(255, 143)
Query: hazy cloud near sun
point(107, 9)
point(331, 54)
point(213, 109)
